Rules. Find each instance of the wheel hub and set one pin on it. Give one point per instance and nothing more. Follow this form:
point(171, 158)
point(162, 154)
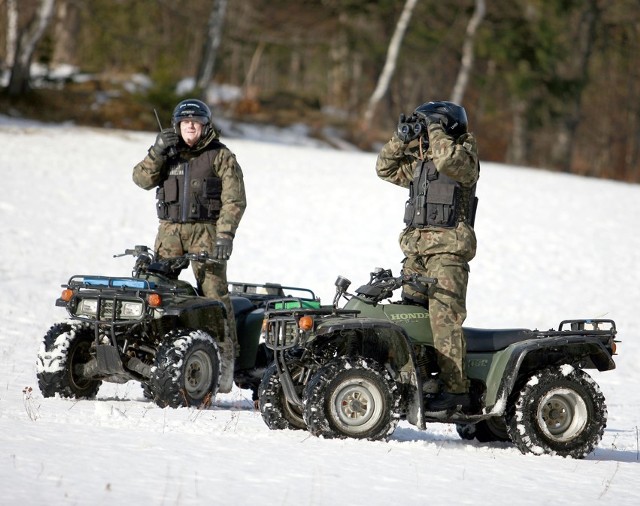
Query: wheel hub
point(355, 406)
point(198, 374)
point(562, 414)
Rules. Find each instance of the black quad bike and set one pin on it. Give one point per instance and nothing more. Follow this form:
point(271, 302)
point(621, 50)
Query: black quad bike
point(158, 330)
point(355, 371)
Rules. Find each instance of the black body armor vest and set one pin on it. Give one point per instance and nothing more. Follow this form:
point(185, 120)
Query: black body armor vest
point(192, 190)
point(436, 200)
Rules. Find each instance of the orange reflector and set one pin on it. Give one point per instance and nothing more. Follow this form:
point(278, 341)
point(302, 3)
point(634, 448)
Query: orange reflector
point(66, 295)
point(305, 323)
point(154, 299)
point(614, 348)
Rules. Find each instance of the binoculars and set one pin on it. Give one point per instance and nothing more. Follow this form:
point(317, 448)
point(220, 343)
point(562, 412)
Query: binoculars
point(411, 128)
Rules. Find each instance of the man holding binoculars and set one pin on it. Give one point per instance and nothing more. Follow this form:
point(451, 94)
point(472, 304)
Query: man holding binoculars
point(434, 155)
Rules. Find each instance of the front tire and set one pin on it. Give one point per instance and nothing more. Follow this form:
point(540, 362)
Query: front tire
point(65, 348)
point(351, 398)
point(186, 371)
point(560, 411)
point(277, 412)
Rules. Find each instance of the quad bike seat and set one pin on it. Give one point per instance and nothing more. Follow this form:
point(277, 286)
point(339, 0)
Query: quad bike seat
point(241, 304)
point(491, 340)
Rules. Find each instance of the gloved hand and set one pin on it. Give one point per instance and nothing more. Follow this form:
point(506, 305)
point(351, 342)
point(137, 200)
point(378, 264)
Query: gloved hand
point(435, 117)
point(165, 140)
point(224, 247)
point(408, 128)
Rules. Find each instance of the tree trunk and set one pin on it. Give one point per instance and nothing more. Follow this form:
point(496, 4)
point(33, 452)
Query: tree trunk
point(212, 44)
point(562, 149)
point(517, 153)
point(390, 63)
point(250, 77)
point(27, 42)
point(338, 75)
point(66, 32)
point(12, 32)
point(468, 52)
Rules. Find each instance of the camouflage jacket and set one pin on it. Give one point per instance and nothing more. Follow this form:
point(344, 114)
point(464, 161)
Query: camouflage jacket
point(152, 171)
point(458, 159)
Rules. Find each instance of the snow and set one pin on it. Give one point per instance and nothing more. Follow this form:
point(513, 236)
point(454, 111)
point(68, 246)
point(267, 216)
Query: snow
point(551, 247)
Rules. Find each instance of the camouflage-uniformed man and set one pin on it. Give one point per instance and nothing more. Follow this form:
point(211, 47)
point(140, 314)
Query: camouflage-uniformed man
point(434, 156)
point(200, 196)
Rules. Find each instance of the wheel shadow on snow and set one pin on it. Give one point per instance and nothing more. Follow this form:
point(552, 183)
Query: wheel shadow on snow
point(452, 440)
point(449, 437)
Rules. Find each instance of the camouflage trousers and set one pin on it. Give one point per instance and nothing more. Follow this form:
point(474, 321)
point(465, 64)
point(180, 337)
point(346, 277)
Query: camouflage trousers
point(447, 311)
point(175, 239)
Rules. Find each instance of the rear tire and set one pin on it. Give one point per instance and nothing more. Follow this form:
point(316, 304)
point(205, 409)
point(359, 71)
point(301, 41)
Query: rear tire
point(186, 371)
point(277, 412)
point(560, 411)
point(65, 347)
point(351, 398)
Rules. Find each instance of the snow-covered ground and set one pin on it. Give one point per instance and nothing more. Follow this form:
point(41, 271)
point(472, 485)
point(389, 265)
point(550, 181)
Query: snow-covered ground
point(551, 247)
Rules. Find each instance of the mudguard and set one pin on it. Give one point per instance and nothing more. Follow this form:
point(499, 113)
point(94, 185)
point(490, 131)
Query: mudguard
point(384, 342)
point(520, 359)
point(209, 315)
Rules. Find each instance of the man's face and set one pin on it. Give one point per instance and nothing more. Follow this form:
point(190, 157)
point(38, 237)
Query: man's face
point(191, 131)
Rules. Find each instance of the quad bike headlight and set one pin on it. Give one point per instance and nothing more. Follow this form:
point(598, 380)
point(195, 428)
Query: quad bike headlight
point(88, 306)
point(131, 310)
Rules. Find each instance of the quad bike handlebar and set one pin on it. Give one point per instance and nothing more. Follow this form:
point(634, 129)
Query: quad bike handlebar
point(381, 285)
point(147, 260)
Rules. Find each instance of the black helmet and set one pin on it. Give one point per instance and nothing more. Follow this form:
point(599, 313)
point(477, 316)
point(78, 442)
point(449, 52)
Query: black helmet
point(453, 116)
point(192, 109)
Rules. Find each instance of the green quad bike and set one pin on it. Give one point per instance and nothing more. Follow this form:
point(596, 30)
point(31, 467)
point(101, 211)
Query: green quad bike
point(159, 331)
point(355, 371)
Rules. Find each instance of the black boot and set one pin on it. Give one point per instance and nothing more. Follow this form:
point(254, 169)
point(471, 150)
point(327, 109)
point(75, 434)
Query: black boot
point(446, 401)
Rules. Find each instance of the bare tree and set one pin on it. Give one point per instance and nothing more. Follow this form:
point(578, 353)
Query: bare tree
point(12, 31)
point(582, 50)
point(468, 52)
point(67, 25)
point(391, 61)
point(27, 42)
point(212, 44)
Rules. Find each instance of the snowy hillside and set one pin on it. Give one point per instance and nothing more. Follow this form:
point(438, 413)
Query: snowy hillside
point(551, 247)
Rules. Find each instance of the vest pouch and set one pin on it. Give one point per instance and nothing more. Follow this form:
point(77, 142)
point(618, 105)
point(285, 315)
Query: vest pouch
point(171, 189)
point(161, 206)
point(441, 205)
point(420, 217)
point(173, 212)
point(167, 205)
point(409, 209)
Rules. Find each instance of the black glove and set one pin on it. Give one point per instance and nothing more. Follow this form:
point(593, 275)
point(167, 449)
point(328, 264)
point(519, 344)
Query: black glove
point(437, 118)
point(166, 141)
point(408, 128)
point(223, 249)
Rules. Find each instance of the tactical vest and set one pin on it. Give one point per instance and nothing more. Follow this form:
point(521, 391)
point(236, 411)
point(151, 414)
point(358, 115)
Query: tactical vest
point(192, 190)
point(436, 200)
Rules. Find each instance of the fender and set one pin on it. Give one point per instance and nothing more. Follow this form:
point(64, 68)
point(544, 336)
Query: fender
point(514, 362)
point(211, 316)
point(384, 342)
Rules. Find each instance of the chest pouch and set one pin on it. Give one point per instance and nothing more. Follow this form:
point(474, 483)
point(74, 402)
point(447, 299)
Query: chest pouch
point(168, 199)
point(433, 198)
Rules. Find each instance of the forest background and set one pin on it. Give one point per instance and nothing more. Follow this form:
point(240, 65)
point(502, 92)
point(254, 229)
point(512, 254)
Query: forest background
point(552, 84)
